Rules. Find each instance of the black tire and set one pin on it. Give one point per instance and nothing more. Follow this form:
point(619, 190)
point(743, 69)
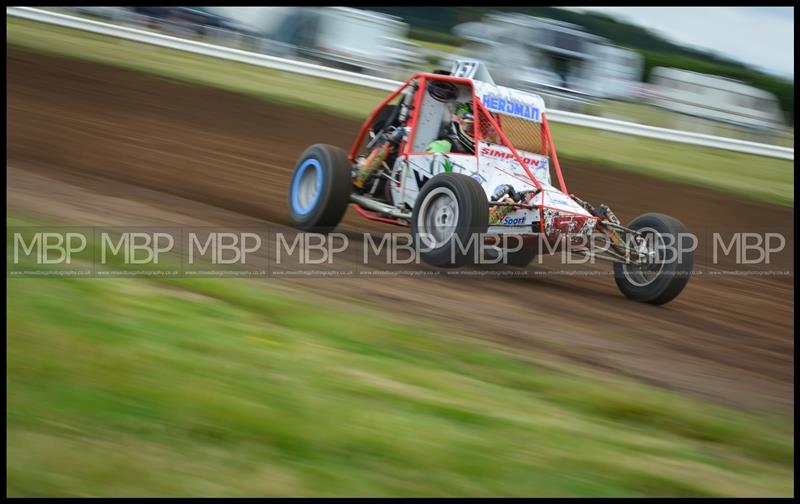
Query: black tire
point(522, 257)
point(671, 277)
point(473, 217)
point(320, 208)
point(517, 258)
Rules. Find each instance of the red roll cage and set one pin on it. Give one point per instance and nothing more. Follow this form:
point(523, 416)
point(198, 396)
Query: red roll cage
point(421, 80)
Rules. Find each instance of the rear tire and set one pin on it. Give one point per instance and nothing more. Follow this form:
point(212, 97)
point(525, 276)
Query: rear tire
point(449, 213)
point(320, 189)
point(660, 283)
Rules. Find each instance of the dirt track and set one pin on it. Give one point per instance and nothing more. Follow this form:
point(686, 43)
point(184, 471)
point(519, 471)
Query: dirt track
point(90, 144)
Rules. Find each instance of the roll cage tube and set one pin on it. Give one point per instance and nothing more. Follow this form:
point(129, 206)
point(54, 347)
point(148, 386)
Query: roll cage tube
point(424, 79)
point(546, 128)
point(362, 133)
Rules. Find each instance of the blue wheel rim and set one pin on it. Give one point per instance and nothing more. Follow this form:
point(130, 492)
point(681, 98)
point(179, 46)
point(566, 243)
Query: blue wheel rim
point(306, 187)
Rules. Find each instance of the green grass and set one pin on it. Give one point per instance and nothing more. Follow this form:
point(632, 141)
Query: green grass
point(764, 179)
point(234, 387)
point(272, 85)
point(760, 178)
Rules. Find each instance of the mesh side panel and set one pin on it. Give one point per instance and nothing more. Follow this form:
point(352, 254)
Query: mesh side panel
point(523, 134)
point(487, 131)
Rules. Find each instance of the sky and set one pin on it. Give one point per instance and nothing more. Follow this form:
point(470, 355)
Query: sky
point(762, 37)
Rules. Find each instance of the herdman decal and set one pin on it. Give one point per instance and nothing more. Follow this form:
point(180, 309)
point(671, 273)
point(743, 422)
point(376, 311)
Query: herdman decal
point(510, 107)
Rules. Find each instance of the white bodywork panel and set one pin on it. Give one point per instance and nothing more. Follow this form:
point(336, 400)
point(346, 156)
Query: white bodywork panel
point(433, 115)
point(429, 123)
point(501, 157)
point(490, 173)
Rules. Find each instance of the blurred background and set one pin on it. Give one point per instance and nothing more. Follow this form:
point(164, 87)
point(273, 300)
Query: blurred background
point(546, 383)
point(586, 62)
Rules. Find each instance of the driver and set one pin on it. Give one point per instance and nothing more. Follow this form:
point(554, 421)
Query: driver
point(459, 134)
point(462, 129)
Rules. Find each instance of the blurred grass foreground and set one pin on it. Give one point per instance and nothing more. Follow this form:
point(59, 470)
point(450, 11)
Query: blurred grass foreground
point(143, 387)
point(153, 387)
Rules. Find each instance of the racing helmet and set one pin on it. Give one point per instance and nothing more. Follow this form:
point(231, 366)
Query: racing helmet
point(442, 91)
point(464, 126)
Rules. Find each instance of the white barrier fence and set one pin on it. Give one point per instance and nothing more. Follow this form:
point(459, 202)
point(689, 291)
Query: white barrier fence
point(310, 69)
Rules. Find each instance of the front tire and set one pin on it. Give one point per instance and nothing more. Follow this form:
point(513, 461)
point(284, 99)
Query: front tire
point(516, 258)
point(660, 281)
point(450, 215)
point(320, 188)
point(523, 257)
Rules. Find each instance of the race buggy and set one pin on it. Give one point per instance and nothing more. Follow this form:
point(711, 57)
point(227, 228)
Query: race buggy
point(455, 156)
